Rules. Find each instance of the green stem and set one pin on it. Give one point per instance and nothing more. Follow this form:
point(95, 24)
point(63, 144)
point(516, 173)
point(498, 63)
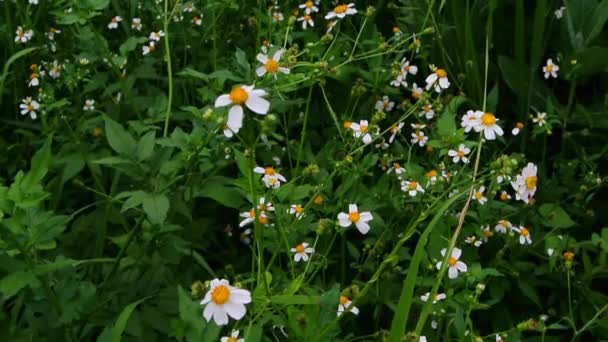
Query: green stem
point(169, 70)
point(303, 134)
point(570, 299)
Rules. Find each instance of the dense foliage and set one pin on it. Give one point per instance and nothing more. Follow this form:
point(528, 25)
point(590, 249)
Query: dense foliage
point(312, 171)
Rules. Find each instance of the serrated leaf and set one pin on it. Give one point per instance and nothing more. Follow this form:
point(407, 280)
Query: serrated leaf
point(119, 139)
point(39, 168)
point(145, 146)
point(14, 282)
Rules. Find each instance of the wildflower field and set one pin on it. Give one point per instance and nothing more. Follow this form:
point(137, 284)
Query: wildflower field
point(264, 170)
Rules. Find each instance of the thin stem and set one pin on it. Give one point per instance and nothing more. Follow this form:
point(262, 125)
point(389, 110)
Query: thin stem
point(169, 69)
point(570, 299)
point(357, 40)
point(303, 134)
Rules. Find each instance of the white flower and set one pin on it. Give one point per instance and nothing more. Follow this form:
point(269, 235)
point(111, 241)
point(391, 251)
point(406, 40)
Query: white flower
point(188, 8)
point(478, 195)
point(277, 16)
point(431, 176)
point(23, 36)
point(406, 68)
point(55, 70)
point(427, 111)
point(302, 252)
point(498, 338)
point(29, 106)
point(361, 130)
point(196, 20)
point(525, 183)
point(434, 325)
point(233, 124)
point(524, 235)
point(33, 2)
point(460, 155)
point(271, 178)
point(342, 11)
point(399, 81)
point(438, 80)
point(518, 127)
point(298, 210)
point(471, 120)
point(223, 300)
point(346, 305)
point(244, 237)
point(270, 65)
point(455, 266)
point(540, 119)
point(309, 7)
point(487, 233)
point(114, 23)
point(385, 104)
point(156, 36)
point(503, 226)
point(249, 217)
point(89, 105)
point(489, 127)
point(559, 13)
point(234, 337)
point(264, 206)
point(504, 196)
point(411, 187)
point(151, 47)
point(51, 33)
point(438, 297)
point(354, 217)
point(395, 129)
point(397, 168)
point(473, 240)
point(247, 95)
point(550, 69)
point(419, 138)
point(422, 339)
point(306, 21)
point(550, 251)
point(34, 79)
point(416, 91)
point(136, 24)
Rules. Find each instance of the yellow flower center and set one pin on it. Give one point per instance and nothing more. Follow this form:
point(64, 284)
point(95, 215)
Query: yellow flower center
point(308, 4)
point(413, 185)
point(519, 125)
point(300, 248)
point(549, 67)
point(394, 129)
point(340, 9)
point(441, 73)
point(271, 66)
point(531, 182)
point(299, 209)
point(238, 95)
point(307, 17)
point(396, 165)
point(30, 107)
point(263, 207)
point(505, 223)
point(504, 196)
point(220, 295)
point(263, 219)
point(426, 108)
point(396, 29)
point(568, 256)
point(231, 339)
point(252, 213)
point(524, 232)
point(488, 119)
point(432, 173)
point(488, 233)
point(461, 153)
point(319, 200)
point(452, 261)
point(354, 217)
point(364, 128)
point(269, 170)
point(343, 300)
point(478, 195)
point(420, 136)
point(34, 75)
point(347, 124)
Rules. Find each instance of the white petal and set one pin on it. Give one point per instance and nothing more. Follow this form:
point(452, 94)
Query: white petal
point(235, 310)
point(456, 252)
point(343, 220)
point(461, 266)
point(209, 310)
point(257, 104)
point(240, 295)
point(362, 227)
point(304, 257)
point(260, 71)
point(366, 216)
point(297, 257)
point(220, 317)
point(277, 55)
point(235, 118)
point(223, 100)
point(262, 58)
point(452, 273)
point(352, 208)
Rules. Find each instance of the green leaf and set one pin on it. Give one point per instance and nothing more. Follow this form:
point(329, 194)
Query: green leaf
point(555, 216)
point(14, 282)
point(329, 304)
point(514, 74)
point(190, 314)
point(529, 291)
point(295, 299)
point(145, 146)
point(446, 124)
point(97, 4)
point(119, 139)
point(598, 21)
point(40, 166)
point(156, 207)
point(221, 189)
point(114, 333)
point(131, 44)
point(134, 199)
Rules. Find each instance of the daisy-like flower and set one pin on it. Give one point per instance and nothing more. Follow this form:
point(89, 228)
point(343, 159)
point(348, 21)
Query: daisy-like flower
point(360, 220)
point(471, 120)
point(399, 81)
point(306, 21)
point(486, 232)
point(34, 77)
point(438, 80)
point(419, 138)
point(478, 195)
point(550, 69)
point(397, 168)
point(489, 127)
point(188, 8)
point(455, 266)
point(416, 91)
point(407, 68)
point(361, 130)
point(418, 126)
point(89, 105)
point(431, 175)
point(346, 305)
point(156, 36)
point(29, 107)
point(297, 210)
point(385, 104)
point(271, 178)
point(264, 206)
point(51, 33)
point(23, 36)
point(397, 31)
point(270, 65)
point(136, 24)
point(309, 7)
point(395, 129)
point(234, 337)
point(55, 70)
point(342, 11)
point(460, 155)
point(498, 338)
point(438, 297)
point(245, 236)
point(525, 183)
point(559, 13)
point(244, 95)
point(411, 187)
point(518, 127)
point(233, 124)
point(504, 196)
point(151, 47)
point(114, 23)
point(503, 226)
point(277, 16)
point(196, 20)
point(302, 252)
point(330, 26)
point(540, 119)
point(524, 235)
point(223, 300)
point(473, 241)
point(427, 111)
point(249, 217)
